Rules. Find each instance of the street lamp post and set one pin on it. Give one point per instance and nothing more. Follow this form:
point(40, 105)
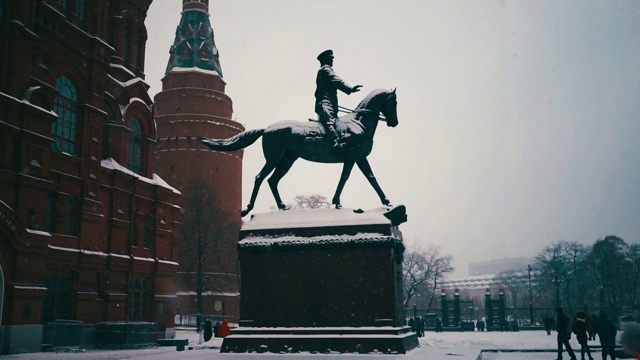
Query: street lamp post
point(557, 290)
point(530, 296)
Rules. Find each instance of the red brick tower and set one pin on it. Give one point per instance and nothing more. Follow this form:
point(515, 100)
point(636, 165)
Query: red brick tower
point(193, 103)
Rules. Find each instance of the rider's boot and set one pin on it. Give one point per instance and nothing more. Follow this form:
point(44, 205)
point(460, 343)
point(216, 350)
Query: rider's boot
point(334, 136)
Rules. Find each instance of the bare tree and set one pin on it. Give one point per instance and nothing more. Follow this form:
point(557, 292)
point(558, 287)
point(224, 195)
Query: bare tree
point(613, 267)
point(561, 268)
point(423, 269)
point(203, 225)
point(314, 201)
point(516, 282)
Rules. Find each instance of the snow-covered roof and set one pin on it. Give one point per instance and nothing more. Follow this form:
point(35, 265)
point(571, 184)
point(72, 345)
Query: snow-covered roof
point(195, 69)
point(262, 243)
point(309, 218)
point(110, 163)
point(301, 227)
point(102, 254)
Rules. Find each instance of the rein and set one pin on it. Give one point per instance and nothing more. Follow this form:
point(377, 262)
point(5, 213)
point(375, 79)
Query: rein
point(347, 111)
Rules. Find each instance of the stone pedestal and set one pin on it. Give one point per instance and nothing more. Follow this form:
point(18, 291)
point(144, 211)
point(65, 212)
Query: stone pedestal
point(322, 281)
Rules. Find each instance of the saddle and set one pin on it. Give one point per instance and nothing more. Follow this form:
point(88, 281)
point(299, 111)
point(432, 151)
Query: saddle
point(348, 127)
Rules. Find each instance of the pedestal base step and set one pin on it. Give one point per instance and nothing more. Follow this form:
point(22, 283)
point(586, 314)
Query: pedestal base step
point(363, 340)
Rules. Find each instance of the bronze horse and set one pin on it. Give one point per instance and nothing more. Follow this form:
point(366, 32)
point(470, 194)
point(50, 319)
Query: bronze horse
point(286, 141)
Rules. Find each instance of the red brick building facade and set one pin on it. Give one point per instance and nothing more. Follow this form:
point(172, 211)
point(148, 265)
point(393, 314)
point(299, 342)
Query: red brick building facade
point(193, 103)
point(86, 226)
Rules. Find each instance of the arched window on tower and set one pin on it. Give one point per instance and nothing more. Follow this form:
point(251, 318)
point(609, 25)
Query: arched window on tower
point(138, 50)
point(1, 5)
point(184, 53)
point(125, 42)
point(77, 13)
point(204, 52)
point(65, 128)
point(134, 159)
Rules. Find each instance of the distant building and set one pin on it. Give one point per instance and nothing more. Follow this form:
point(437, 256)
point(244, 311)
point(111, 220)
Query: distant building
point(193, 103)
point(86, 226)
point(492, 267)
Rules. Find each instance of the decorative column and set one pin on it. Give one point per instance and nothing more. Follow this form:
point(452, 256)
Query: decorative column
point(445, 308)
point(456, 308)
point(488, 308)
point(501, 308)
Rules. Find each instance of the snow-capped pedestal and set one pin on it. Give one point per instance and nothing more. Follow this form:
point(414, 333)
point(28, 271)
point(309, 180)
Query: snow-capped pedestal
point(322, 280)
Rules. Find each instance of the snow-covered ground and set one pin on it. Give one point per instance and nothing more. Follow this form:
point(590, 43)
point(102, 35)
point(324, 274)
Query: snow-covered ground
point(443, 346)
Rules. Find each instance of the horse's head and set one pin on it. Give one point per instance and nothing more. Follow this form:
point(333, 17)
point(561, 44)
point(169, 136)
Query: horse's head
point(390, 109)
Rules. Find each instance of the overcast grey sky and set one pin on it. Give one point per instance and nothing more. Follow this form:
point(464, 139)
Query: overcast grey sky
point(519, 120)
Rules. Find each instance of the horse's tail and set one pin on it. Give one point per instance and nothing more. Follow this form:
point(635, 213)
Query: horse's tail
point(237, 142)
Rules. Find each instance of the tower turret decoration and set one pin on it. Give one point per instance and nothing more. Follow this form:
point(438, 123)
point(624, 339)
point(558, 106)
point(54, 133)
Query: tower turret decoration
point(194, 44)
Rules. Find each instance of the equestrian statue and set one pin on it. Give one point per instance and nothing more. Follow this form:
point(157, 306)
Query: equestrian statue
point(349, 142)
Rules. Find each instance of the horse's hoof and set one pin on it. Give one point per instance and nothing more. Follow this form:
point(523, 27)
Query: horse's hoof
point(246, 211)
point(282, 206)
point(338, 206)
point(386, 202)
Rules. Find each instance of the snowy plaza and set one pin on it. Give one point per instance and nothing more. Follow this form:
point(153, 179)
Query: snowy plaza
point(442, 346)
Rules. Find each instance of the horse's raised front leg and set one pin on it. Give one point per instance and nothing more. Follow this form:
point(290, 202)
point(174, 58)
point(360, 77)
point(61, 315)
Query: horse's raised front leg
point(266, 170)
point(368, 173)
point(281, 169)
point(346, 171)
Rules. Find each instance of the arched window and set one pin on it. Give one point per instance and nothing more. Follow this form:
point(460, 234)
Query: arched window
point(50, 216)
point(134, 161)
point(0, 19)
point(204, 52)
point(66, 106)
point(125, 43)
point(71, 217)
point(185, 52)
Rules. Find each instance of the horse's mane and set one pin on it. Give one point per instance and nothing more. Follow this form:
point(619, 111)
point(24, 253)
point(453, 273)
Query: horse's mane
point(372, 95)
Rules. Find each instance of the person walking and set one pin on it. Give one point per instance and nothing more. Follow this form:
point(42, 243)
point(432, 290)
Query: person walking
point(564, 334)
point(548, 322)
point(225, 329)
point(438, 325)
point(420, 327)
point(580, 329)
point(208, 331)
point(595, 321)
point(607, 333)
point(412, 323)
point(630, 340)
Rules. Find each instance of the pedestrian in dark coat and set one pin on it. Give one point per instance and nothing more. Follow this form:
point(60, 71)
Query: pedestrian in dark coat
point(216, 327)
point(412, 323)
point(595, 320)
point(564, 333)
point(580, 329)
point(480, 325)
point(630, 340)
point(438, 325)
point(588, 322)
point(208, 331)
point(607, 333)
point(548, 324)
point(420, 327)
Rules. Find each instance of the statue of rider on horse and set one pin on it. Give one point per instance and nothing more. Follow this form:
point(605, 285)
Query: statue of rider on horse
point(286, 141)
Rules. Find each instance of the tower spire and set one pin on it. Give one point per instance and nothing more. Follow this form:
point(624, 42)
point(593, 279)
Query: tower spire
point(194, 45)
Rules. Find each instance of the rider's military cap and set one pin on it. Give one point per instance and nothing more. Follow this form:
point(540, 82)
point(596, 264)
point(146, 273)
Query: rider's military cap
point(325, 54)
